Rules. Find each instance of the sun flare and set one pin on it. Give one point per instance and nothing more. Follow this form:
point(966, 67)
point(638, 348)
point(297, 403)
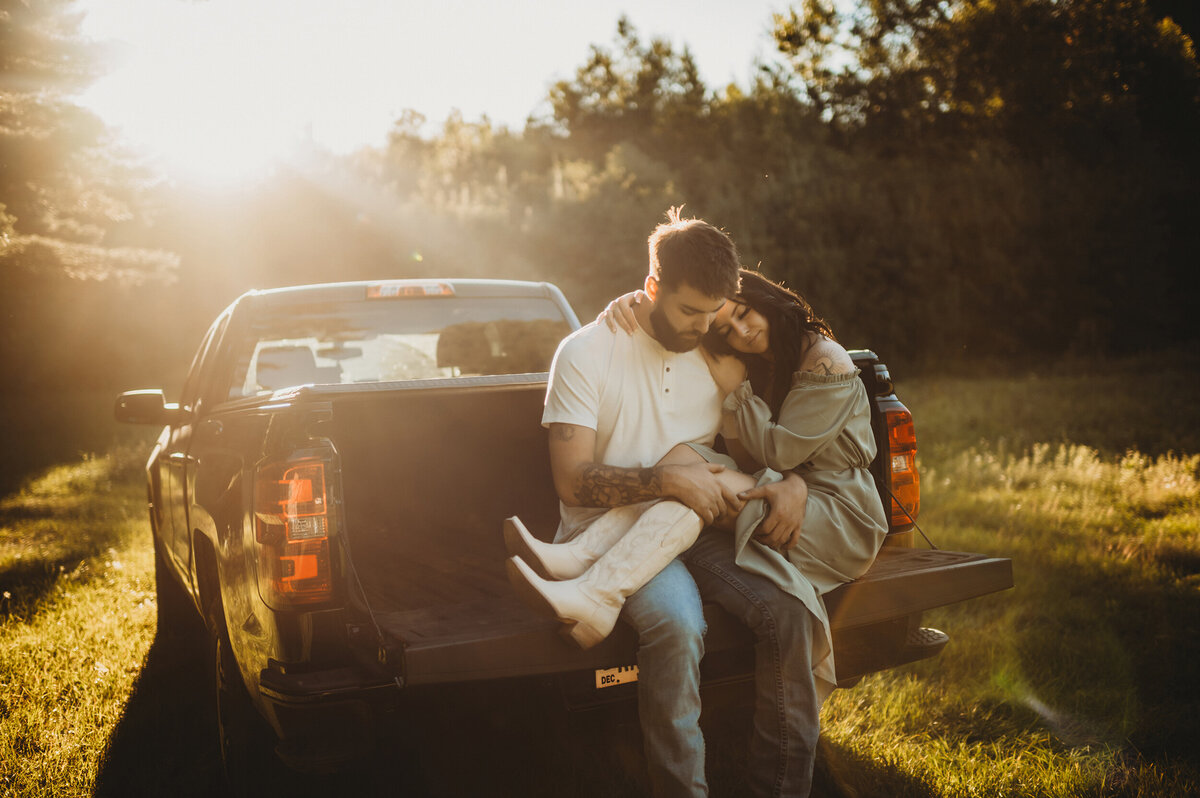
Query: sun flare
point(214, 91)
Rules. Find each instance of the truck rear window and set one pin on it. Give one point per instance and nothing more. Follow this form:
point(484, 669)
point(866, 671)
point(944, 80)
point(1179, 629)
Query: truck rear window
point(402, 339)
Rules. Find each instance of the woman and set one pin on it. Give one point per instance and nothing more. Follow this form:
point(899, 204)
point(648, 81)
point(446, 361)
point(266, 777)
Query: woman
point(793, 403)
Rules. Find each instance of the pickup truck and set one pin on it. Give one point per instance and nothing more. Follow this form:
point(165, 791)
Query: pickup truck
point(328, 493)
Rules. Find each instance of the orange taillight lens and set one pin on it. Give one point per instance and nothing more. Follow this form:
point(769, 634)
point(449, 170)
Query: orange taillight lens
point(292, 527)
point(902, 464)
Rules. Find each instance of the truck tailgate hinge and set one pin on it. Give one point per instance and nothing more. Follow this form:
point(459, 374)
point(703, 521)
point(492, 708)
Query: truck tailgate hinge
point(366, 638)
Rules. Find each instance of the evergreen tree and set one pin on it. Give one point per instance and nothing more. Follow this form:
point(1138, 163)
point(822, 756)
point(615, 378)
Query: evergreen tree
point(64, 189)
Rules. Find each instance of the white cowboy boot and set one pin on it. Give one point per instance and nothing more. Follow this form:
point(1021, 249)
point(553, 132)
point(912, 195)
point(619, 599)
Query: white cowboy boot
point(571, 558)
point(590, 604)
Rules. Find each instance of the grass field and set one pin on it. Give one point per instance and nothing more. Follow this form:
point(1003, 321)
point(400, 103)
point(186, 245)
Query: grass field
point(1079, 682)
point(59, 428)
point(77, 616)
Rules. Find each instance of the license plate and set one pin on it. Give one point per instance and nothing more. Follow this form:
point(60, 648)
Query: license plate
point(611, 677)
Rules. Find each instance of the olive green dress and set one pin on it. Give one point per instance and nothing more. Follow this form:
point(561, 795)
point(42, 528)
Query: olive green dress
point(824, 434)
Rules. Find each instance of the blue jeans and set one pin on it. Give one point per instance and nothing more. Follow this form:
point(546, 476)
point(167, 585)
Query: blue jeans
point(669, 619)
point(786, 708)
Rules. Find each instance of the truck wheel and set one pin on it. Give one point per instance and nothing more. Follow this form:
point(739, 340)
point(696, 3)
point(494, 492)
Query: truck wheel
point(246, 742)
point(176, 615)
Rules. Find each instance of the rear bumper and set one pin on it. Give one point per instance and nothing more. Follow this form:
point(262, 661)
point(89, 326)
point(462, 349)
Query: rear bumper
point(325, 718)
point(300, 689)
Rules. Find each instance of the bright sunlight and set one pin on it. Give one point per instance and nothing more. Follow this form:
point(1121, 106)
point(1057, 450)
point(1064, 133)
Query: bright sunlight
point(220, 91)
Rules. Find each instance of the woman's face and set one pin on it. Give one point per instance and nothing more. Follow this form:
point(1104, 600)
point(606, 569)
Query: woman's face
point(743, 328)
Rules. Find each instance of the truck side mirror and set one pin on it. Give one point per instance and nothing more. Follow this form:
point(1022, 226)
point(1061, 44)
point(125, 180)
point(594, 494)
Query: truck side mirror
point(146, 407)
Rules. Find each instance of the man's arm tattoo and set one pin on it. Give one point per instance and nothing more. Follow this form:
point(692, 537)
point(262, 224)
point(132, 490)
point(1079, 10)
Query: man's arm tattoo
point(610, 486)
point(562, 432)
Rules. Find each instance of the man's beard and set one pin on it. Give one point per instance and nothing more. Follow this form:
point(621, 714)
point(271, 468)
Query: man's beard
point(671, 339)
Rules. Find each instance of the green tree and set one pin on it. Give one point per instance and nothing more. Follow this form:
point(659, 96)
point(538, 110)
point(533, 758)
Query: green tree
point(77, 281)
point(1037, 72)
point(63, 186)
point(637, 92)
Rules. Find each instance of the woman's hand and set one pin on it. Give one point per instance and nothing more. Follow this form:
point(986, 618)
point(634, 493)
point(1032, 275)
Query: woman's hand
point(728, 371)
point(787, 501)
point(619, 312)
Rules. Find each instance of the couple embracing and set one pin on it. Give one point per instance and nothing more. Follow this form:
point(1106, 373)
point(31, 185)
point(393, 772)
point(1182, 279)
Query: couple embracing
point(655, 520)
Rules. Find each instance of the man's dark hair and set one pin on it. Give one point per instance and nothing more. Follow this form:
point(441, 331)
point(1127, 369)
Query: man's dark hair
point(692, 251)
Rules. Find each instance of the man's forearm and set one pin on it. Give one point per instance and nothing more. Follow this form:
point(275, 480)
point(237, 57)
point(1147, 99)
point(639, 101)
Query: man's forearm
point(598, 485)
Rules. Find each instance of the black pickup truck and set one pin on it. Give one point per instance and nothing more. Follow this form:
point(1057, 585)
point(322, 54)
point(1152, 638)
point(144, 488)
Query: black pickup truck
point(329, 490)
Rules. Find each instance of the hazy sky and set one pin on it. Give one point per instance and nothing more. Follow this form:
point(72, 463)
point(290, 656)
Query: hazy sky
point(232, 81)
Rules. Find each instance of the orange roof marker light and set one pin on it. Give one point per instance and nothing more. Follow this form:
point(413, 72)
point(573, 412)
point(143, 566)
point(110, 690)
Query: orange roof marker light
point(399, 290)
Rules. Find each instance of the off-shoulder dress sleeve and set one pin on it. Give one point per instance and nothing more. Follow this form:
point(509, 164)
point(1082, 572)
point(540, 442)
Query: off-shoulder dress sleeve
point(815, 411)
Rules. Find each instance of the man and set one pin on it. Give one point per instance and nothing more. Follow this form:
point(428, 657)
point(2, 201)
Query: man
point(615, 406)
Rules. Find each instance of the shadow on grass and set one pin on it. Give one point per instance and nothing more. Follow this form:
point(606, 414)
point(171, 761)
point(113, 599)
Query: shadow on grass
point(1125, 651)
point(471, 740)
point(166, 742)
point(26, 584)
point(58, 525)
point(838, 772)
point(27, 581)
point(1158, 628)
point(841, 773)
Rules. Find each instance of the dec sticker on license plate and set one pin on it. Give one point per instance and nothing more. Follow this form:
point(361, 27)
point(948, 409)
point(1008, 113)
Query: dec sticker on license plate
point(611, 677)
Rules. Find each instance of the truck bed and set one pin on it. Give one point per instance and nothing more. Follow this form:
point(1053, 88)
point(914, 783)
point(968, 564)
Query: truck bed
point(424, 537)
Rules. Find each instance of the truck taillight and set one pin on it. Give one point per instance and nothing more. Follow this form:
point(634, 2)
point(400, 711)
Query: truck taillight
point(292, 525)
point(902, 463)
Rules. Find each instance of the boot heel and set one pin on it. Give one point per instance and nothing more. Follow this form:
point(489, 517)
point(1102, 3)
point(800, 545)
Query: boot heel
point(581, 634)
point(582, 617)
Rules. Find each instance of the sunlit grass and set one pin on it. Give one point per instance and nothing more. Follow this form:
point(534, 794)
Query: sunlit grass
point(77, 616)
point(1078, 682)
point(43, 520)
point(1133, 515)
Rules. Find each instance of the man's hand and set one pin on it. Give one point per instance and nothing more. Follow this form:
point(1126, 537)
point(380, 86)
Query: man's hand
point(787, 501)
point(698, 486)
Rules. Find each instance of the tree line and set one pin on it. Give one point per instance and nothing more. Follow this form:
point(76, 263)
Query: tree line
point(947, 181)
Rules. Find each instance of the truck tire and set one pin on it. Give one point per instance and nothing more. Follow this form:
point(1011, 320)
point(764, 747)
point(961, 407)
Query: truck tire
point(246, 742)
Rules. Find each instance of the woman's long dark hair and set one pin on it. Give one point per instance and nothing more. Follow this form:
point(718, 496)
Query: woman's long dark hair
point(790, 321)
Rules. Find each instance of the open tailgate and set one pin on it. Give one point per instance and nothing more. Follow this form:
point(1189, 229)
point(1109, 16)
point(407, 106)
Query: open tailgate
point(498, 637)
